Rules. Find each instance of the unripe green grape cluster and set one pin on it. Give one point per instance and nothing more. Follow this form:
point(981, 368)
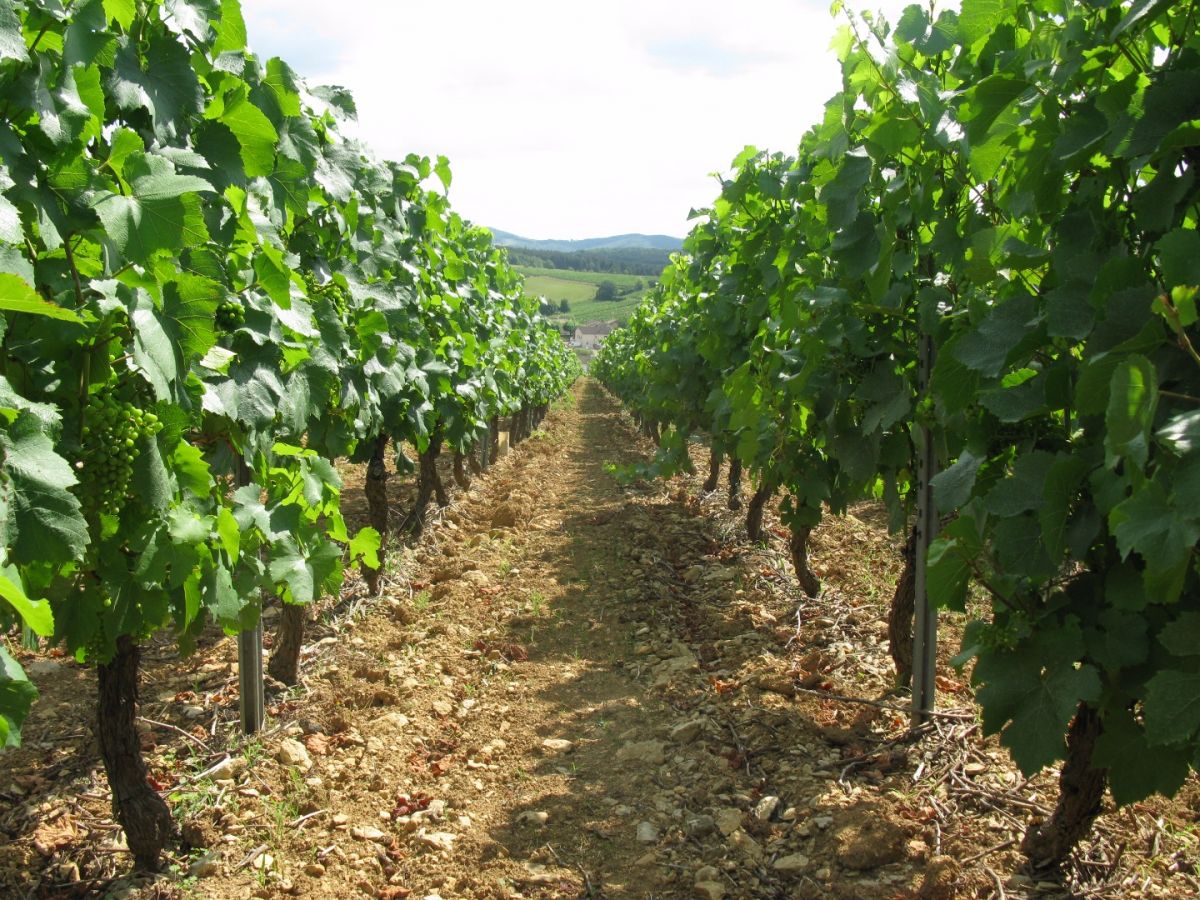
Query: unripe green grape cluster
point(336, 293)
point(231, 314)
point(111, 432)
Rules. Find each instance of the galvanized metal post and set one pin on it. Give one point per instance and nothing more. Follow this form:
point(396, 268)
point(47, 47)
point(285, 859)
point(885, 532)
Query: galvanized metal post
point(250, 678)
point(924, 686)
point(250, 656)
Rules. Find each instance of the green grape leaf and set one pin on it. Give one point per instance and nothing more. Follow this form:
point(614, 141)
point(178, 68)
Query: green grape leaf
point(1179, 256)
point(192, 16)
point(931, 38)
point(1019, 549)
point(189, 310)
point(11, 229)
point(1172, 707)
point(187, 527)
point(1069, 312)
point(88, 39)
point(1135, 769)
point(953, 384)
point(192, 470)
point(156, 345)
point(1031, 693)
point(442, 170)
point(1132, 401)
point(230, 533)
point(1151, 525)
point(978, 19)
point(950, 570)
point(1025, 489)
point(952, 487)
point(305, 575)
point(151, 482)
point(122, 12)
point(841, 195)
point(1017, 402)
point(222, 599)
point(986, 100)
point(1060, 487)
point(12, 41)
point(163, 83)
point(1182, 637)
point(39, 517)
point(364, 546)
point(1086, 127)
point(255, 134)
point(988, 346)
point(1119, 640)
point(16, 697)
point(34, 613)
point(231, 31)
point(18, 297)
point(284, 88)
point(138, 227)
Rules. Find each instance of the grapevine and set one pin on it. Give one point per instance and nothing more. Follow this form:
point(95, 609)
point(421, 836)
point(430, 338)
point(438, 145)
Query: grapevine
point(1015, 183)
point(224, 295)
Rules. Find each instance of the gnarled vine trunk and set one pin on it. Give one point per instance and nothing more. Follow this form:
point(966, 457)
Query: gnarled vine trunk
point(284, 664)
point(809, 583)
point(475, 458)
point(375, 488)
point(902, 613)
point(1080, 794)
point(493, 440)
point(735, 483)
point(716, 457)
point(754, 513)
point(138, 807)
point(439, 489)
point(461, 478)
point(485, 449)
point(428, 484)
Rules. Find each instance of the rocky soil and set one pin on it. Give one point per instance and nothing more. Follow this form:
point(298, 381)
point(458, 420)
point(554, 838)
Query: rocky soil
point(573, 688)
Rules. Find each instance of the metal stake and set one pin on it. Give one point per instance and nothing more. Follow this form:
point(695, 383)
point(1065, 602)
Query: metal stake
point(924, 686)
point(250, 655)
point(250, 678)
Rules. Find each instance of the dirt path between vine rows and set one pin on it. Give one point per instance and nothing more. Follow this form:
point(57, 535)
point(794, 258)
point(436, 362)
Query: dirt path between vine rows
point(578, 688)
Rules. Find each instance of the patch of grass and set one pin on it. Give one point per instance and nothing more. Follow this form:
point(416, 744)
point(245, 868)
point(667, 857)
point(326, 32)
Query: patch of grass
point(579, 290)
point(253, 751)
point(196, 799)
point(421, 601)
point(555, 289)
point(625, 282)
point(586, 311)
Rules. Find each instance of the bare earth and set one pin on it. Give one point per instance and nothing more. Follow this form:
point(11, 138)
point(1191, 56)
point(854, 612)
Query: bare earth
point(572, 688)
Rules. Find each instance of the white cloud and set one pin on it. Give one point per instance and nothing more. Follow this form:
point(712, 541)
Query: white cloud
point(568, 120)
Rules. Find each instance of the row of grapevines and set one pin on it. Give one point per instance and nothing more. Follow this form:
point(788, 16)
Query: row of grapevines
point(207, 294)
point(1016, 181)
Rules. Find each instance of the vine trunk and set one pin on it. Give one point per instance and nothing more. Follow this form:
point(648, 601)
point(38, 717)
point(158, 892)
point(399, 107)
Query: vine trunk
point(138, 807)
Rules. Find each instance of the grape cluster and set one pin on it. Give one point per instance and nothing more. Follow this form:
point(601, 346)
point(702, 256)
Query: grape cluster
point(111, 429)
point(338, 295)
point(231, 314)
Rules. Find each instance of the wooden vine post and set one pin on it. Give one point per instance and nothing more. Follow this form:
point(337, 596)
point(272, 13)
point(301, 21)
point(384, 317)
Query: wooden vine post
point(924, 659)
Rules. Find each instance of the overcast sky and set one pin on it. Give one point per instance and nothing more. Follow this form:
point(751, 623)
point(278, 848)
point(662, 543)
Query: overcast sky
point(565, 119)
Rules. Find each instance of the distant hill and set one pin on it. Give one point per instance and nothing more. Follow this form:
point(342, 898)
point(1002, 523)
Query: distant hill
point(615, 242)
